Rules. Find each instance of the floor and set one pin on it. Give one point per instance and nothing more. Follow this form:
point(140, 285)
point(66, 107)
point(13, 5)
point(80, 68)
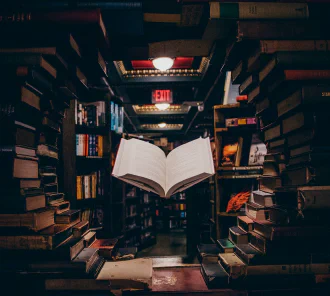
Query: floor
point(168, 244)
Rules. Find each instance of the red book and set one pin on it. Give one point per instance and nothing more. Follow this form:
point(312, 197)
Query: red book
point(306, 74)
point(242, 98)
point(62, 17)
point(77, 18)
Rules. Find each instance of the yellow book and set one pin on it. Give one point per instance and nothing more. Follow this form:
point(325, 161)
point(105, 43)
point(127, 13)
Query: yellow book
point(79, 187)
point(100, 146)
point(241, 121)
point(94, 186)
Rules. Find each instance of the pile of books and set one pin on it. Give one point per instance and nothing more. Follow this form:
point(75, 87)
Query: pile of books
point(39, 233)
point(276, 242)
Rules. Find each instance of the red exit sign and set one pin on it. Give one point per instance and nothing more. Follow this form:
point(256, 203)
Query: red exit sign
point(162, 96)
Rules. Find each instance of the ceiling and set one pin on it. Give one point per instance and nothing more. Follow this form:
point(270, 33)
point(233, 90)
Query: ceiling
point(142, 30)
point(139, 31)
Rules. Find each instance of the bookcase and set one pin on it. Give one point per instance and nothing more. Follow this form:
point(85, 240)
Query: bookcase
point(88, 158)
point(139, 228)
point(236, 163)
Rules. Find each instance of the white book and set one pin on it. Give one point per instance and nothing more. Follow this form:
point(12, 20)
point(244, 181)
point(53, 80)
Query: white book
point(86, 187)
point(146, 166)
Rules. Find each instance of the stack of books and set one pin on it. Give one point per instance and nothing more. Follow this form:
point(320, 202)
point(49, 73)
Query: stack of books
point(276, 241)
point(37, 226)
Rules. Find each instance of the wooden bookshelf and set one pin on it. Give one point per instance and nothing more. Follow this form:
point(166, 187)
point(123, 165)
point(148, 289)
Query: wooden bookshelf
point(81, 165)
point(231, 179)
point(142, 234)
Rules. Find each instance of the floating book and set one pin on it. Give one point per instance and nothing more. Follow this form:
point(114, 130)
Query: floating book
point(146, 166)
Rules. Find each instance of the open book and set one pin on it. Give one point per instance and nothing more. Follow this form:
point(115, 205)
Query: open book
point(146, 166)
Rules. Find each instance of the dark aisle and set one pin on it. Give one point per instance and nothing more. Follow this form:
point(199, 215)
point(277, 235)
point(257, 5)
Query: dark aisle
point(168, 244)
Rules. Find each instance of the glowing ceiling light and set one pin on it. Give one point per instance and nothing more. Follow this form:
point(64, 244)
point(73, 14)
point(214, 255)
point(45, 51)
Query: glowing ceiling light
point(163, 63)
point(162, 106)
point(162, 124)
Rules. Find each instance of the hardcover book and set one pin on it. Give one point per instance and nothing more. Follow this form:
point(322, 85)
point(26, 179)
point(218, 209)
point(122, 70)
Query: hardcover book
point(214, 275)
point(255, 10)
point(238, 236)
point(146, 166)
point(262, 198)
point(258, 151)
point(226, 245)
point(245, 223)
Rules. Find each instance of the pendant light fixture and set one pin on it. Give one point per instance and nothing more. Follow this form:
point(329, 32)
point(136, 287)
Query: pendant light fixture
point(163, 63)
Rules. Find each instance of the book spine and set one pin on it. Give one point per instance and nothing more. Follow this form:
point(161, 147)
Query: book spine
point(90, 145)
point(272, 46)
point(116, 118)
point(322, 268)
point(79, 187)
point(254, 10)
point(61, 17)
point(112, 115)
point(76, 111)
point(307, 74)
point(94, 181)
point(77, 145)
point(86, 188)
point(100, 148)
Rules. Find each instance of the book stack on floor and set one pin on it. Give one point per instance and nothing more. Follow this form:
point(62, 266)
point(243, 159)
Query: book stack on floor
point(275, 243)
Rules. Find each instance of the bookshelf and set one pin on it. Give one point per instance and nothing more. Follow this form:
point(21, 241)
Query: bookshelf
point(138, 219)
point(89, 124)
point(234, 172)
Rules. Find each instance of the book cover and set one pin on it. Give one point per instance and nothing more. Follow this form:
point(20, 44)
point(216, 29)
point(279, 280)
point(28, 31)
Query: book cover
point(182, 168)
point(258, 151)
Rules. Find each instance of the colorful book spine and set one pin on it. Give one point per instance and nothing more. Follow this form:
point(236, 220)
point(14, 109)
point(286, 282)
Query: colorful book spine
point(112, 115)
point(79, 188)
point(116, 118)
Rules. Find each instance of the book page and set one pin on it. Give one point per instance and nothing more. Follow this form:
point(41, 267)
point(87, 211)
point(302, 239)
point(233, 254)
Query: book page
point(141, 159)
point(190, 160)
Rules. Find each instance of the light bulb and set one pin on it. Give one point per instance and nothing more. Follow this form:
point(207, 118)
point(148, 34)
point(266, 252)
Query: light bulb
point(162, 106)
point(162, 124)
point(163, 63)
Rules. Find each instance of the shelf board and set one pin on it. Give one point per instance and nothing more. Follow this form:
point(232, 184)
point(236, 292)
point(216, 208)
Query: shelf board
point(224, 214)
point(90, 201)
point(240, 168)
point(227, 106)
point(254, 176)
point(93, 157)
point(95, 130)
point(177, 218)
point(240, 128)
point(171, 201)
